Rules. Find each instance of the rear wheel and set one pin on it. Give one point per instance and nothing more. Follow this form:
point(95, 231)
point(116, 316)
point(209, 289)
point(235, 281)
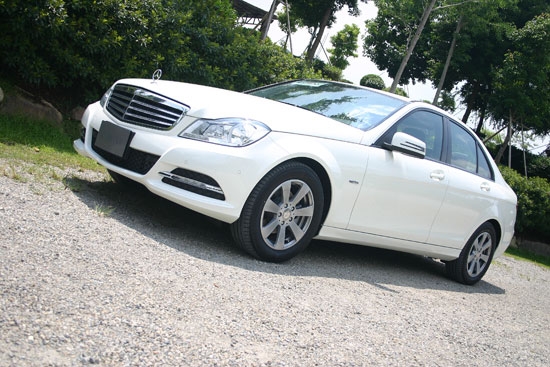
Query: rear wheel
point(476, 256)
point(282, 213)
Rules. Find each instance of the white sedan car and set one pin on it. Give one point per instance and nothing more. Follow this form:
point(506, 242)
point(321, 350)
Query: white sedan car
point(305, 159)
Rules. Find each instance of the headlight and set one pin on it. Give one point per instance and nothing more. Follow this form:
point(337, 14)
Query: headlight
point(105, 97)
point(234, 132)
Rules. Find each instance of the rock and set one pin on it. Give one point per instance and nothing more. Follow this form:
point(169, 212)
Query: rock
point(23, 103)
point(537, 248)
point(1, 95)
point(76, 113)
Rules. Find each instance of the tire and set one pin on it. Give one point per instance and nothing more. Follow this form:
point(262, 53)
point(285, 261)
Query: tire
point(282, 214)
point(476, 256)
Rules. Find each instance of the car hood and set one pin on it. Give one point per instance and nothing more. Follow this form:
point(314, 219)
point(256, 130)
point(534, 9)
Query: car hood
point(213, 103)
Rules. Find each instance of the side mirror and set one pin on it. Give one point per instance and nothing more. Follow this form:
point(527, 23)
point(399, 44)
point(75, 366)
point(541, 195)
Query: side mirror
point(407, 144)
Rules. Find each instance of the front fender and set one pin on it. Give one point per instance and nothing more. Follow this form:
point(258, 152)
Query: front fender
point(344, 163)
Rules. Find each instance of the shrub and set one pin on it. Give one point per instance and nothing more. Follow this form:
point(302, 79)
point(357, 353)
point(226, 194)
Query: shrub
point(533, 217)
point(80, 47)
point(372, 81)
point(537, 165)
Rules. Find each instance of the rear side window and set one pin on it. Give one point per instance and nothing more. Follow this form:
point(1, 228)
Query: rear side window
point(466, 153)
point(483, 166)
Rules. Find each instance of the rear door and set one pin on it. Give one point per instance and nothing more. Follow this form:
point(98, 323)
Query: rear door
point(469, 196)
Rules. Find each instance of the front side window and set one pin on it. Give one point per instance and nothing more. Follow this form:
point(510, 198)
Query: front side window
point(423, 125)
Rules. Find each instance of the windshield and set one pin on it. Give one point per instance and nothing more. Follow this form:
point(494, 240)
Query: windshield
point(357, 107)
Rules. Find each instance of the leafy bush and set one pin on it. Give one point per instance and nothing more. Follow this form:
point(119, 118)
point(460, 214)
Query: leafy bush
point(372, 81)
point(80, 47)
point(533, 218)
point(537, 165)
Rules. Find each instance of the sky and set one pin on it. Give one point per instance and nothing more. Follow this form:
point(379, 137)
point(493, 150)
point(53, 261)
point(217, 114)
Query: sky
point(361, 65)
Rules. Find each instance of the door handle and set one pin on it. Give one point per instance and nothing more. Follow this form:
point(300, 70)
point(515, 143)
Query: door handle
point(437, 175)
point(485, 187)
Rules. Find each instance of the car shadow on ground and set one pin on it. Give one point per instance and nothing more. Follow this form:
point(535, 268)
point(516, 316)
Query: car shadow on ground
point(207, 239)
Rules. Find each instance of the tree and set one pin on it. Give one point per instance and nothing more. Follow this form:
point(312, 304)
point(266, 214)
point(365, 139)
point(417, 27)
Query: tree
point(522, 83)
point(317, 16)
point(344, 45)
point(468, 41)
point(389, 36)
point(446, 102)
point(412, 44)
point(448, 60)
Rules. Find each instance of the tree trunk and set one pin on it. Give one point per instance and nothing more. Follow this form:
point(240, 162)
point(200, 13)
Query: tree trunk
point(448, 61)
point(523, 149)
point(289, 35)
point(267, 22)
point(313, 48)
point(505, 145)
point(469, 103)
point(480, 122)
point(412, 45)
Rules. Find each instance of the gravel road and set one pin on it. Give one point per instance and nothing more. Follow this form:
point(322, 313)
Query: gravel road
point(93, 274)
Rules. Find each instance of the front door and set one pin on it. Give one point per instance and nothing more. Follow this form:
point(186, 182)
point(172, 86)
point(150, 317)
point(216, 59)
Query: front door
point(401, 195)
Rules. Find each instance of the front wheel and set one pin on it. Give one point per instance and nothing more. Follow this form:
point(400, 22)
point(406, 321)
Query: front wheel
point(476, 256)
point(282, 214)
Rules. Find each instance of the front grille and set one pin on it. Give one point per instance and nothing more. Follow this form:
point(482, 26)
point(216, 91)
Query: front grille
point(141, 107)
point(135, 160)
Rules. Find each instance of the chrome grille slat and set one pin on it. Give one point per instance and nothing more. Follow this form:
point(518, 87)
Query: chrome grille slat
point(138, 106)
point(147, 109)
point(130, 115)
point(120, 110)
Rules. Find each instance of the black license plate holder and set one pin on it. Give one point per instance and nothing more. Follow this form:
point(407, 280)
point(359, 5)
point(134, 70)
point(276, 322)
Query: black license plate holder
point(114, 139)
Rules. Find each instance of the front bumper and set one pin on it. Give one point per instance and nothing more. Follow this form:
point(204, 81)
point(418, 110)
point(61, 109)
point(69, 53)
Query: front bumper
point(211, 179)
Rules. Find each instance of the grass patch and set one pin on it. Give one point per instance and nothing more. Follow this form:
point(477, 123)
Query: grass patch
point(10, 172)
point(104, 210)
point(529, 256)
point(42, 143)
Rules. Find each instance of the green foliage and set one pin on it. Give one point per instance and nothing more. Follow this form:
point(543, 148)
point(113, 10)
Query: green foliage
point(480, 41)
point(533, 216)
point(80, 47)
point(522, 81)
point(311, 12)
point(372, 81)
point(285, 17)
point(326, 71)
point(389, 34)
point(537, 165)
point(344, 45)
point(447, 102)
point(316, 16)
point(399, 91)
point(500, 58)
point(265, 63)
